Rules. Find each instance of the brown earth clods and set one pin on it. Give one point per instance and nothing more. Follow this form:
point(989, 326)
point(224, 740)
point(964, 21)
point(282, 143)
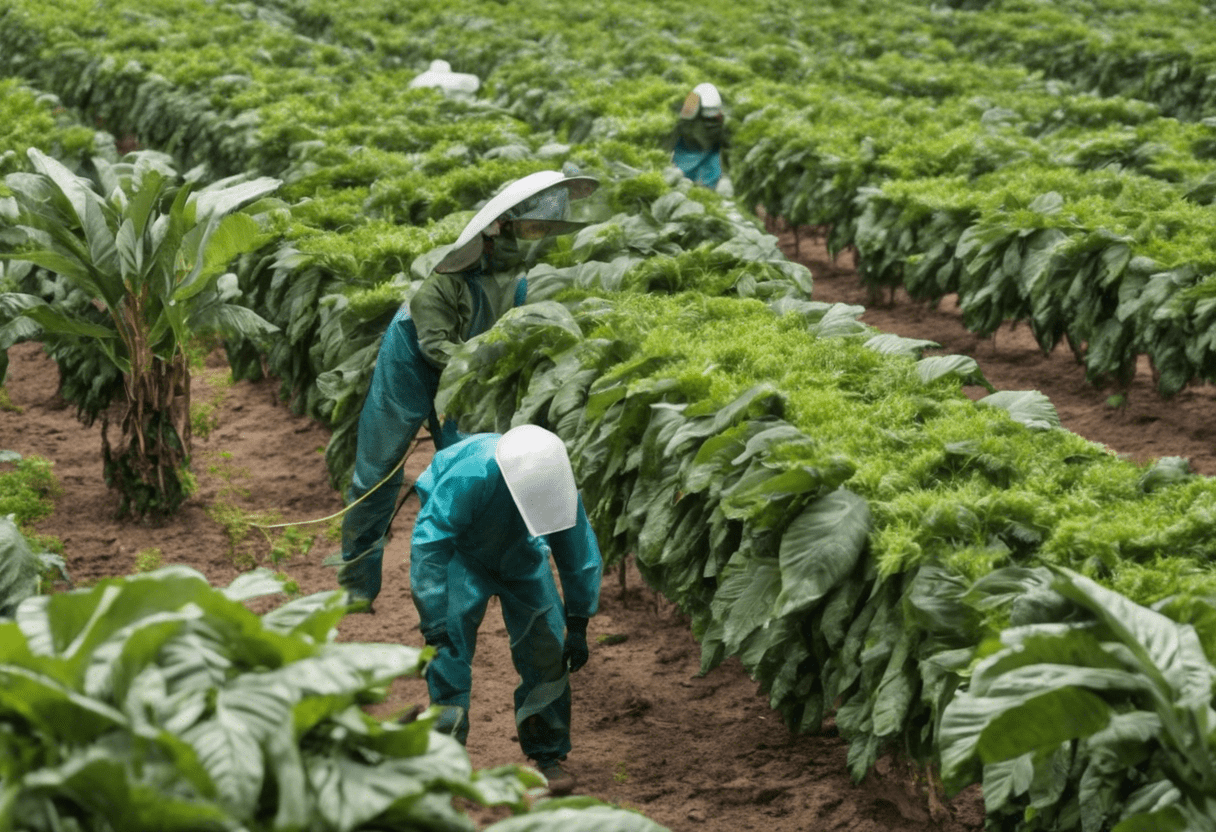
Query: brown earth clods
point(692, 753)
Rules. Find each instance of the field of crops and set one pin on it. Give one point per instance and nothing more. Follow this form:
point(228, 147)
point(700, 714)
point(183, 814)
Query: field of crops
point(962, 581)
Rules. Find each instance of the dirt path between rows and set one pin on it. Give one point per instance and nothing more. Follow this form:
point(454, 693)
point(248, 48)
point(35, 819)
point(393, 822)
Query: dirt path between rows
point(693, 753)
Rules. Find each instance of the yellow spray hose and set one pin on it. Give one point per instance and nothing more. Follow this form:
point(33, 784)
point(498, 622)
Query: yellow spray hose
point(408, 453)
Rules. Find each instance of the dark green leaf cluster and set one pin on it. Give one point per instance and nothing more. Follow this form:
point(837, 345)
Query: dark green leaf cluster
point(158, 702)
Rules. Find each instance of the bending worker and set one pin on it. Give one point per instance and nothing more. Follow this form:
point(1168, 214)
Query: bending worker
point(469, 290)
point(493, 509)
point(700, 136)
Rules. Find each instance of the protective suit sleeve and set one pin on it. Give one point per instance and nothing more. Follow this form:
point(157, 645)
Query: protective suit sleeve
point(580, 566)
point(435, 309)
point(450, 503)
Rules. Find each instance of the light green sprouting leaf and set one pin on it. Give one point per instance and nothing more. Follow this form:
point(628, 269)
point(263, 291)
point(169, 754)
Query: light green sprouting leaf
point(820, 547)
point(1030, 407)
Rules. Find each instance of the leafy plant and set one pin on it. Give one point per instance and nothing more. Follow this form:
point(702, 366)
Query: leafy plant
point(157, 702)
point(149, 257)
point(23, 571)
point(1095, 710)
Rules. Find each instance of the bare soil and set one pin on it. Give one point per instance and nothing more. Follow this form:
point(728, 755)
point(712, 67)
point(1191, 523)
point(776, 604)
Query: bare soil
point(691, 752)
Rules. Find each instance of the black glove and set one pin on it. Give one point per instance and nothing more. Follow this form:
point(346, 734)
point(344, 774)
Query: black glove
point(576, 653)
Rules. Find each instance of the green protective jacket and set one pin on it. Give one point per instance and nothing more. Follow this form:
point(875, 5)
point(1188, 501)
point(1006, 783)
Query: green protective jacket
point(448, 309)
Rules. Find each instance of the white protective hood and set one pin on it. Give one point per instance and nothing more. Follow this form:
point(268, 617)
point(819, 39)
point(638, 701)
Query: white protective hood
point(536, 467)
point(468, 245)
point(703, 100)
point(439, 74)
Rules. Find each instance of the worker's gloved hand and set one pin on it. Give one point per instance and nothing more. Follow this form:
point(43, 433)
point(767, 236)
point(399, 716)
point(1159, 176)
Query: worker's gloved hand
point(360, 576)
point(576, 652)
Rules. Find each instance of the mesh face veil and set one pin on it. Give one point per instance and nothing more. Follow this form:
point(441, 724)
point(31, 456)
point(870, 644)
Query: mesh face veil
point(541, 199)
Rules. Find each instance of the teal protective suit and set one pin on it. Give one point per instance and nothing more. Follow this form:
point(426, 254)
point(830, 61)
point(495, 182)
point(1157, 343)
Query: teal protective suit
point(470, 543)
point(697, 150)
point(447, 310)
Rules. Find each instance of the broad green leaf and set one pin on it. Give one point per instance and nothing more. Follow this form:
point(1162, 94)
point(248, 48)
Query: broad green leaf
point(894, 694)
point(1005, 780)
point(70, 267)
point(890, 344)
point(1171, 653)
point(53, 320)
point(255, 583)
point(19, 568)
point(1169, 819)
point(342, 669)
point(820, 547)
point(350, 793)
point(103, 249)
point(102, 786)
point(53, 709)
point(744, 601)
point(588, 819)
point(222, 198)
point(231, 746)
point(228, 319)
point(1030, 407)
point(233, 235)
point(1042, 721)
point(68, 184)
point(964, 367)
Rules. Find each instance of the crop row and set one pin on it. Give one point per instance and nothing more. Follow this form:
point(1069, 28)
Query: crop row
point(815, 525)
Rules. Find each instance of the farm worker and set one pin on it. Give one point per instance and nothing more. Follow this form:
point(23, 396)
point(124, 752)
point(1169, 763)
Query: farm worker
point(700, 136)
point(440, 75)
point(467, 292)
point(494, 507)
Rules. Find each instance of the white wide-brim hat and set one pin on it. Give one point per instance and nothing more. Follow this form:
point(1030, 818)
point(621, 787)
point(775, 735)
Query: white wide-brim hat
point(469, 244)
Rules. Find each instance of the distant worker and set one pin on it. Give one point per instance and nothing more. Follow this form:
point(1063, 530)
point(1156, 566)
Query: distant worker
point(700, 136)
point(493, 509)
point(474, 284)
point(440, 75)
